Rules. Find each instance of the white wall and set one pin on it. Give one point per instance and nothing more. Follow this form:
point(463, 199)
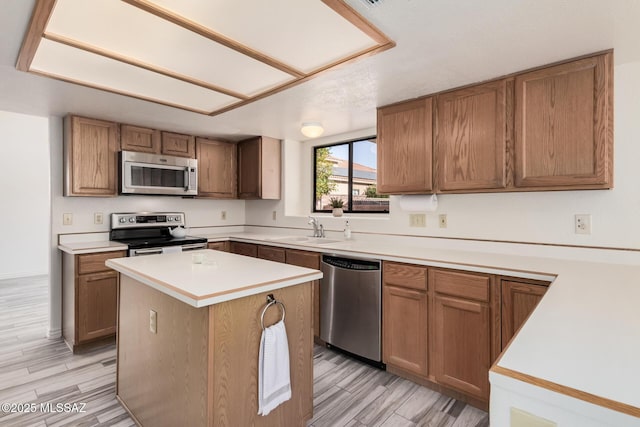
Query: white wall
point(24, 186)
point(199, 213)
point(539, 217)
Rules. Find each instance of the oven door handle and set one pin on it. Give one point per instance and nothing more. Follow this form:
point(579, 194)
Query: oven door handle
point(186, 171)
point(151, 251)
point(194, 246)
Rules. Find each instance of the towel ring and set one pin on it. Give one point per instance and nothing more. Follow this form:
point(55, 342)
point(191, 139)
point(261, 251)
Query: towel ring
point(271, 301)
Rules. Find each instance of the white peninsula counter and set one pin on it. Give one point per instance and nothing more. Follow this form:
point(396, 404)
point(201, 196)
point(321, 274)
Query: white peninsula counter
point(189, 336)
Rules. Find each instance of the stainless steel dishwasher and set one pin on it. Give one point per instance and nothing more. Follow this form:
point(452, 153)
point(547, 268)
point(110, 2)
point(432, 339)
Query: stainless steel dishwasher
point(351, 305)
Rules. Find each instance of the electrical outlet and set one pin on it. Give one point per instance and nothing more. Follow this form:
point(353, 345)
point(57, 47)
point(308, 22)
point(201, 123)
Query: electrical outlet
point(442, 220)
point(67, 218)
point(223, 215)
point(273, 215)
point(520, 418)
point(417, 220)
point(98, 218)
point(583, 224)
point(153, 322)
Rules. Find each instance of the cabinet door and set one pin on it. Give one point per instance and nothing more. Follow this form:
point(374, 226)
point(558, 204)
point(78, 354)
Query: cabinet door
point(564, 125)
point(218, 246)
point(247, 249)
point(249, 169)
point(518, 301)
point(216, 169)
point(175, 144)
point(470, 140)
point(309, 260)
point(405, 147)
point(462, 333)
point(97, 305)
point(404, 333)
point(143, 140)
point(272, 254)
point(91, 157)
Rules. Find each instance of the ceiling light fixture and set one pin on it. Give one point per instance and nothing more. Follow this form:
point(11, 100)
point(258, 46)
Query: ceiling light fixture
point(312, 129)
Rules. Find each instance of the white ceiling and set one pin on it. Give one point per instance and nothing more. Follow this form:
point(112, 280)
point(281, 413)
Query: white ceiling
point(440, 44)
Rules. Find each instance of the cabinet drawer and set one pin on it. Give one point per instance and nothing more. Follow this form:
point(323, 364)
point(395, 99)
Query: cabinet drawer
point(271, 254)
point(465, 285)
point(218, 246)
point(303, 259)
point(405, 275)
point(93, 263)
point(246, 249)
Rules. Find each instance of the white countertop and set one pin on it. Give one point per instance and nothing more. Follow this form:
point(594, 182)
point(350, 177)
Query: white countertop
point(91, 247)
point(584, 335)
point(220, 277)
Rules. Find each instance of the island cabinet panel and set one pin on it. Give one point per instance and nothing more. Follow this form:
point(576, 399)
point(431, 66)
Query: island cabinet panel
point(218, 246)
point(464, 330)
point(564, 125)
point(405, 147)
point(519, 299)
point(247, 249)
point(470, 138)
point(139, 139)
point(201, 367)
point(259, 166)
point(176, 144)
point(309, 260)
point(271, 253)
point(89, 290)
point(217, 166)
point(91, 152)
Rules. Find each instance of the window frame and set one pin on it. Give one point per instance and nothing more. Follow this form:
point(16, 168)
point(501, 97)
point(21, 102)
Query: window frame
point(349, 206)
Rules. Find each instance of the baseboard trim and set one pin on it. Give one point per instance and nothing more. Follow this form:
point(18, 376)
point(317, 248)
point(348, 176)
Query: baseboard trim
point(22, 274)
point(54, 333)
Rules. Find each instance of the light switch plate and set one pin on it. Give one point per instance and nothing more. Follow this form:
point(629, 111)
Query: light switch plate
point(98, 218)
point(417, 220)
point(67, 218)
point(520, 418)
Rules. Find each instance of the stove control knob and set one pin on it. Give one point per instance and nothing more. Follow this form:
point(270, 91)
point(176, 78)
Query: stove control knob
point(123, 220)
point(169, 219)
point(132, 219)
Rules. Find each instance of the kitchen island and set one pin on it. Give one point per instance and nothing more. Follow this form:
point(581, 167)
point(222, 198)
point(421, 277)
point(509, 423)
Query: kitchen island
point(189, 335)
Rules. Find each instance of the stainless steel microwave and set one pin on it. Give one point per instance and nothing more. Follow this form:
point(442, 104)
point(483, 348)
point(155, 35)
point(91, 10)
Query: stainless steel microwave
point(142, 173)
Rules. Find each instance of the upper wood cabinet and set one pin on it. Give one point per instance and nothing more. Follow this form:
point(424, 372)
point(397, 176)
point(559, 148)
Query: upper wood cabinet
point(176, 144)
point(546, 129)
point(564, 125)
point(519, 299)
point(143, 140)
point(216, 169)
point(470, 138)
point(405, 147)
point(91, 154)
point(259, 168)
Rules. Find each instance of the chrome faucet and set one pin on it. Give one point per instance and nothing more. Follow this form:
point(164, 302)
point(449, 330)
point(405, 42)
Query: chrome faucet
point(318, 229)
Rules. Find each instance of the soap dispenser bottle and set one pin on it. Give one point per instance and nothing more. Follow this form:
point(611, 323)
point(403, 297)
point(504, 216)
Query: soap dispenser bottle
point(347, 230)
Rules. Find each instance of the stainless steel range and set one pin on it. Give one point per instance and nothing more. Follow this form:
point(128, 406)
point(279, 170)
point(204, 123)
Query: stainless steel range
point(148, 233)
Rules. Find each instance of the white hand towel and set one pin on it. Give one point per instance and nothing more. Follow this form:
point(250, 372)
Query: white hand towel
point(171, 249)
point(274, 383)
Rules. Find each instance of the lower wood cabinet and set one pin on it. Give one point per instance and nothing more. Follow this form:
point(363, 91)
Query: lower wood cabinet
point(89, 298)
point(97, 305)
point(463, 330)
point(405, 329)
point(519, 299)
point(246, 249)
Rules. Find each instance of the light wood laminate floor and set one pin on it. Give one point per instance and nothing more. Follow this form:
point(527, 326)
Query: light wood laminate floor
point(36, 370)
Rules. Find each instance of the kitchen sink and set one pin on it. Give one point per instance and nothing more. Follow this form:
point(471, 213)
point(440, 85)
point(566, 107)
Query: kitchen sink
point(307, 239)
